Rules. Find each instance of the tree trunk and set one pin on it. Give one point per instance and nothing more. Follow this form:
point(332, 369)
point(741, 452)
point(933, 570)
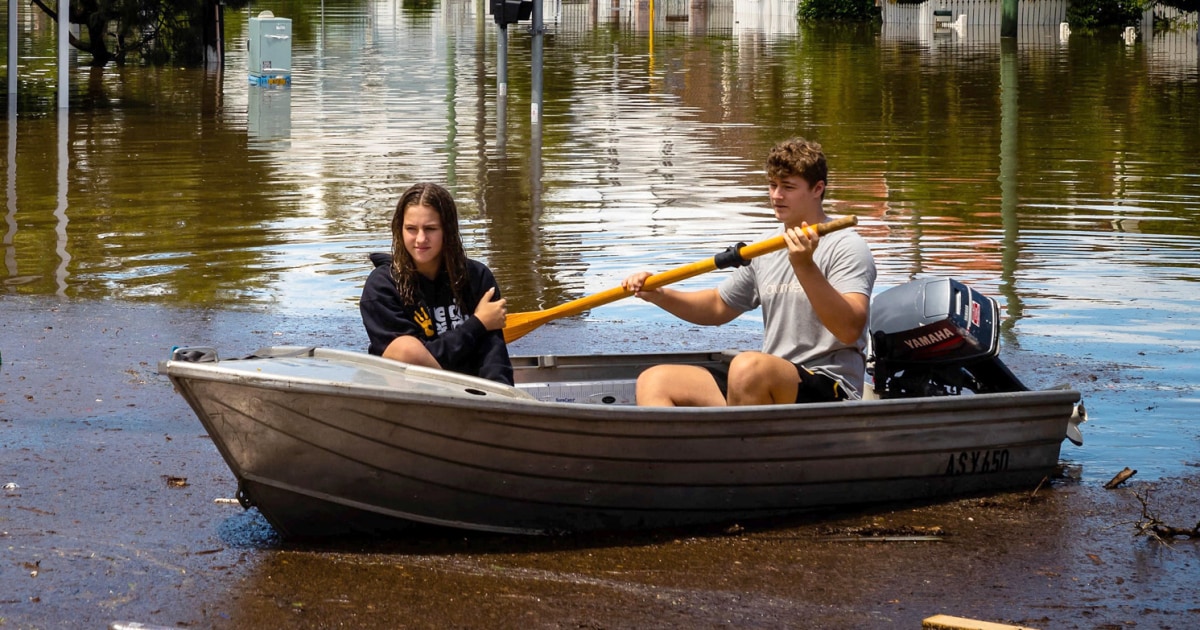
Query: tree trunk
point(213, 31)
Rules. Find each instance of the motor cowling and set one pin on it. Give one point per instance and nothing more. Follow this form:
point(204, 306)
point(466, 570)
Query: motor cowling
point(937, 337)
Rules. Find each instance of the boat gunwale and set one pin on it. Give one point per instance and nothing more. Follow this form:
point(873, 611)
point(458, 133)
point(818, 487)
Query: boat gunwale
point(529, 406)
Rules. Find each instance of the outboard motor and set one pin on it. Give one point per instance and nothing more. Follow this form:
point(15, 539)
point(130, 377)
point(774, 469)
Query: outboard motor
point(937, 337)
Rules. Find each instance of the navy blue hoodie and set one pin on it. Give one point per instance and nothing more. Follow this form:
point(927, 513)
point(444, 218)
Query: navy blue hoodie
point(455, 337)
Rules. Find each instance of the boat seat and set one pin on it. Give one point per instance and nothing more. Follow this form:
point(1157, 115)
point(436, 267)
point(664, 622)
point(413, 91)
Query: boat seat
point(614, 392)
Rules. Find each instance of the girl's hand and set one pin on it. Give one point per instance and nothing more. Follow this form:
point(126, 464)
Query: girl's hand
point(491, 313)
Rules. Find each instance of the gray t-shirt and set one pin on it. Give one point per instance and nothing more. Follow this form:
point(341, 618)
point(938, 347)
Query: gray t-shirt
point(792, 329)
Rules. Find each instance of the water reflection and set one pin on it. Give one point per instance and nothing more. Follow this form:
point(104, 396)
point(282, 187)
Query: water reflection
point(1009, 181)
point(10, 190)
point(269, 117)
point(60, 210)
point(649, 145)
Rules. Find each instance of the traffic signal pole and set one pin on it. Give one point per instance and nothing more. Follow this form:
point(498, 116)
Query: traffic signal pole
point(502, 62)
point(535, 104)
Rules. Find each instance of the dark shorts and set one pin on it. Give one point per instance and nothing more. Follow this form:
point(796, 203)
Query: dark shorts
point(813, 387)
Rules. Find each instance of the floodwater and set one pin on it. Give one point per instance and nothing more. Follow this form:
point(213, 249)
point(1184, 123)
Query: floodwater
point(1060, 177)
point(171, 206)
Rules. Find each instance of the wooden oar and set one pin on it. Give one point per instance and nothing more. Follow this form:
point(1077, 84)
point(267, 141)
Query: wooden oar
point(518, 325)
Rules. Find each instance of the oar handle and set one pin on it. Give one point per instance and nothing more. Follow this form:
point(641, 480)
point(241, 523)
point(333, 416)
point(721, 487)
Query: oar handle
point(745, 252)
point(519, 324)
point(777, 242)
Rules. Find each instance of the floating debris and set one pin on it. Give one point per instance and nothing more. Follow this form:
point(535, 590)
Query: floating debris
point(946, 622)
point(1120, 478)
point(136, 625)
point(884, 534)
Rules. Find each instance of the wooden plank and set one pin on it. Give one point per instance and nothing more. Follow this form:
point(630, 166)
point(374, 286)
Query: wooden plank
point(946, 622)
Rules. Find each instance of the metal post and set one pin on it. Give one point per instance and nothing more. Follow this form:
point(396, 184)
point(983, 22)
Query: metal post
point(535, 177)
point(12, 52)
point(535, 105)
point(502, 93)
point(535, 119)
point(502, 63)
point(64, 45)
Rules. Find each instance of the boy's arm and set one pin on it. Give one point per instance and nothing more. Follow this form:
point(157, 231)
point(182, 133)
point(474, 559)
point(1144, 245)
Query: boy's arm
point(704, 307)
point(843, 314)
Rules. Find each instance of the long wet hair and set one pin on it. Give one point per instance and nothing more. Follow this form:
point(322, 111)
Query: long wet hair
point(797, 156)
point(454, 258)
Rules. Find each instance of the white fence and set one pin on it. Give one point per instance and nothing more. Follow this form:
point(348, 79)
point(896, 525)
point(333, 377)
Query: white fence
point(1180, 19)
point(1174, 51)
point(978, 12)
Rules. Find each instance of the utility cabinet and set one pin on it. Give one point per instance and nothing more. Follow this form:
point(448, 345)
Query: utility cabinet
point(270, 50)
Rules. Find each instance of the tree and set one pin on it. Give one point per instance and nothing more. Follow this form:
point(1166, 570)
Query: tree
point(838, 10)
point(154, 31)
point(1089, 15)
point(1182, 5)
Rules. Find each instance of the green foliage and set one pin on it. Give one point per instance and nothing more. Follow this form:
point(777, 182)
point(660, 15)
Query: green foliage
point(1182, 5)
point(153, 31)
point(837, 10)
point(1089, 15)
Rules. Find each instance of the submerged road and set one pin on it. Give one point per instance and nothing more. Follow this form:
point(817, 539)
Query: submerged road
point(115, 507)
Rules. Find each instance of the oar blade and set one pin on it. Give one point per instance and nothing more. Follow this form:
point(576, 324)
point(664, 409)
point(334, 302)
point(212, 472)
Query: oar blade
point(517, 325)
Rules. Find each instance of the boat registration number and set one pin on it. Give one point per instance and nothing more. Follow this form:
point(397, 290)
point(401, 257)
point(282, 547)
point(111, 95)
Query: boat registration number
point(977, 462)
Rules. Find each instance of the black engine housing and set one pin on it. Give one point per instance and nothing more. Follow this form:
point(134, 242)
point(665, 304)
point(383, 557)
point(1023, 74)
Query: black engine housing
point(936, 337)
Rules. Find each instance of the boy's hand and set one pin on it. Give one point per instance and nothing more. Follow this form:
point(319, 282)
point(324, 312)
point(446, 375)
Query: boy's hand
point(801, 243)
point(635, 283)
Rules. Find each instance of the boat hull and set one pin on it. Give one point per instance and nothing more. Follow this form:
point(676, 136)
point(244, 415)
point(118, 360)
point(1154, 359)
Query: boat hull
point(321, 447)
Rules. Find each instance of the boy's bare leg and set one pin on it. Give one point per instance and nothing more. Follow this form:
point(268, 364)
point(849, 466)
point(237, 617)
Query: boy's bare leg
point(756, 378)
point(678, 386)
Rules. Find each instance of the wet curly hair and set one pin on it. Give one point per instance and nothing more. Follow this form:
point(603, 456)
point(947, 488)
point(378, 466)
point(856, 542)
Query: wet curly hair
point(797, 156)
point(454, 258)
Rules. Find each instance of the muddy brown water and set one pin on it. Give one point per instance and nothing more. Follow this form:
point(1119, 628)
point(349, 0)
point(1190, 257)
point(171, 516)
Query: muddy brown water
point(96, 531)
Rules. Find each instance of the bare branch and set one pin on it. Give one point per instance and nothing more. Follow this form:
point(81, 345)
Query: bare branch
point(1151, 526)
